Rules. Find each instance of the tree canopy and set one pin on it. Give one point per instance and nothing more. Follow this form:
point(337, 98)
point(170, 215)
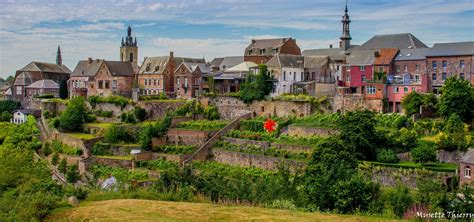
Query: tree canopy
point(412, 102)
point(74, 116)
point(457, 96)
point(256, 87)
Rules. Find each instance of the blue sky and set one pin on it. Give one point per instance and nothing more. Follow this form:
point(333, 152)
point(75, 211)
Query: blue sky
point(32, 30)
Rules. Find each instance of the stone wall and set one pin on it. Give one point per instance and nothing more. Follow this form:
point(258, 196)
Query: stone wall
point(85, 145)
point(188, 137)
point(252, 160)
point(266, 144)
point(441, 155)
point(53, 107)
point(231, 107)
point(129, 164)
point(392, 176)
point(115, 109)
point(325, 89)
point(354, 102)
point(157, 109)
point(294, 130)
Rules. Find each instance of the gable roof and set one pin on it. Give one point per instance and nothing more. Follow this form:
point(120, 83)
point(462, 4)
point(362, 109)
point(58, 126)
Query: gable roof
point(23, 79)
point(44, 84)
point(452, 49)
point(203, 67)
point(468, 157)
point(267, 43)
point(283, 60)
point(45, 67)
point(315, 61)
point(87, 67)
point(154, 65)
point(400, 41)
point(386, 56)
point(120, 68)
point(333, 53)
point(361, 57)
point(226, 62)
point(242, 67)
point(412, 54)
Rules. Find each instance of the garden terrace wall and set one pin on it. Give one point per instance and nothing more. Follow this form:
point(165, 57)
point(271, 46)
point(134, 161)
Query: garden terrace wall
point(388, 176)
point(178, 158)
point(85, 145)
point(188, 137)
point(53, 106)
point(108, 119)
point(121, 150)
point(441, 155)
point(347, 103)
point(252, 160)
point(266, 144)
point(117, 110)
point(157, 109)
point(110, 162)
point(176, 120)
point(69, 158)
point(295, 130)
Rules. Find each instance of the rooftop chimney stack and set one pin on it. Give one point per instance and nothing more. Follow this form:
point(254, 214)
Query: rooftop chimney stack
point(330, 46)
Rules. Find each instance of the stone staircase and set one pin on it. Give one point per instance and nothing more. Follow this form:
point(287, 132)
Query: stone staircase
point(203, 151)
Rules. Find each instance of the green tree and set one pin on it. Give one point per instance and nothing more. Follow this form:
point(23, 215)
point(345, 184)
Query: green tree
point(358, 130)
point(412, 102)
point(9, 106)
point(5, 116)
point(63, 91)
point(399, 199)
point(63, 166)
point(72, 174)
point(423, 154)
point(55, 159)
point(140, 113)
point(74, 116)
point(387, 156)
point(256, 87)
point(457, 96)
point(354, 194)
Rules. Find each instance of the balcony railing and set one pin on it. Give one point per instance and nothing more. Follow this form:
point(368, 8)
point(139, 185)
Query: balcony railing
point(404, 81)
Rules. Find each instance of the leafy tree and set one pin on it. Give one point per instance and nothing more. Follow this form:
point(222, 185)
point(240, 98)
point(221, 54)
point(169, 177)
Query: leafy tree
point(10, 79)
point(399, 199)
point(211, 84)
point(358, 130)
point(256, 87)
point(74, 116)
point(423, 154)
point(354, 194)
point(387, 156)
point(211, 112)
point(63, 166)
point(412, 102)
point(63, 91)
point(5, 116)
point(9, 106)
point(407, 138)
point(55, 159)
point(140, 113)
point(72, 174)
point(457, 96)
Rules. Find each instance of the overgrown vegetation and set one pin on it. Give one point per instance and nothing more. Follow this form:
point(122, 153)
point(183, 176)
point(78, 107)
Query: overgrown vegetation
point(117, 100)
point(256, 86)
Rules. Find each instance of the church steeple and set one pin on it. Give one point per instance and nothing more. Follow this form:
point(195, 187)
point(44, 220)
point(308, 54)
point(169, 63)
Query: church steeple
point(346, 34)
point(59, 59)
point(129, 49)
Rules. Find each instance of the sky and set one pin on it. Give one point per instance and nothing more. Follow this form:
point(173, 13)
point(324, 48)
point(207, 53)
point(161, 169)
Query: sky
point(31, 30)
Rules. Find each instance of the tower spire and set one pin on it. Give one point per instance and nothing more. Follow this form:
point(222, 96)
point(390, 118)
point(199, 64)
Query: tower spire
point(129, 31)
point(346, 34)
point(59, 59)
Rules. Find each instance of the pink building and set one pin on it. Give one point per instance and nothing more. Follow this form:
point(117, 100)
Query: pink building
point(359, 70)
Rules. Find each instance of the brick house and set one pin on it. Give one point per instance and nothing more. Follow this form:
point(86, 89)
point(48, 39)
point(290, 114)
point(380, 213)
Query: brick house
point(35, 71)
point(359, 69)
point(188, 79)
point(260, 51)
point(466, 165)
point(409, 75)
point(101, 78)
point(156, 75)
point(450, 59)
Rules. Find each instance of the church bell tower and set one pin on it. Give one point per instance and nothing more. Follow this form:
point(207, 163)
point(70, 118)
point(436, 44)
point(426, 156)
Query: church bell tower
point(129, 49)
point(346, 34)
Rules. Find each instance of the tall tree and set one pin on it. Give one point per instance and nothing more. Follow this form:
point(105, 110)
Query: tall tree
point(457, 96)
point(412, 102)
point(74, 116)
point(358, 130)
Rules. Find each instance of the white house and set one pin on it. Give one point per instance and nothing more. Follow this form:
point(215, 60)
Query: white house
point(286, 70)
point(20, 116)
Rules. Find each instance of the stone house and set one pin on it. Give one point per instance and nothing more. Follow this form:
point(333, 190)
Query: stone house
point(101, 78)
point(42, 87)
point(156, 75)
point(188, 79)
point(450, 59)
point(466, 165)
point(35, 71)
point(21, 116)
point(260, 51)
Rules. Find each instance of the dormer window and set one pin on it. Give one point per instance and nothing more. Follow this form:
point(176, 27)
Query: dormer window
point(147, 69)
point(157, 68)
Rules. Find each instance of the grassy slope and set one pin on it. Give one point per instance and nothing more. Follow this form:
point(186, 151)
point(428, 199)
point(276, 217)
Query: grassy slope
point(148, 210)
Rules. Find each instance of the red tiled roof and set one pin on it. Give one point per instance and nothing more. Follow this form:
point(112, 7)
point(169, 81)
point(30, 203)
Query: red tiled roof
point(386, 56)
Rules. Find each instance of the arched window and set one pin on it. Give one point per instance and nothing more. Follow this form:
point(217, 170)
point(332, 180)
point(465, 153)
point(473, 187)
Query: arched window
point(131, 57)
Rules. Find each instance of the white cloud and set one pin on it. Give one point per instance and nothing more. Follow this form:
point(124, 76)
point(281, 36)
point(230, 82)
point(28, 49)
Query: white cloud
point(102, 26)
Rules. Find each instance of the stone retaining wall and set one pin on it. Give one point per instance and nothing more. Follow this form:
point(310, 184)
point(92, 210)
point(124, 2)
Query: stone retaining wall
point(252, 160)
point(392, 176)
point(294, 130)
point(442, 156)
point(266, 144)
point(157, 109)
point(188, 137)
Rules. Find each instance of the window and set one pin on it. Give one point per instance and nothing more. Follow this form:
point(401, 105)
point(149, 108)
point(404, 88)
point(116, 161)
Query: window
point(302, 79)
point(337, 67)
point(348, 78)
point(19, 90)
point(461, 75)
point(433, 76)
point(395, 89)
point(417, 67)
point(434, 64)
point(185, 81)
point(398, 68)
point(405, 67)
point(101, 84)
point(443, 76)
point(363, 78)
point(371, 90)
point(417, 78)
point(154, 82)
point(114, 84)
point(461, 64)
point(444, 64)
point(250, 52)
point(294, 76)
point(107, 84)
point(284, 75)
point(177, 80)
point(405, 89)
point(467, 172)
point(362, 68)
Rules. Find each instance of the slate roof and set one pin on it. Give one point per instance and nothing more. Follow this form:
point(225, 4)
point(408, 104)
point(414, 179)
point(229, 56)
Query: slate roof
point(242, 67)
point(86, 68)
point(226, 62)
point(203, 67)
point(400, 41)
point(267, 43)
point(45, 67)
point(386, 56)
point(412, 54)
point(120, 68)
point(361, 57)
point(315, 61)
point(156, 65)
point(283, 60)
point(452, 49)
point(44, 84)
point(333, 53)
point(468, 157)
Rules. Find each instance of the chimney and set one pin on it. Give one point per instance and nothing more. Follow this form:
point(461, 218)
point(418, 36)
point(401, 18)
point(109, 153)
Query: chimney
point(97, 60)
point(171, 54)
point(330, 46)
point(89, 60)
point(340, 44)
point(254, 41)
point(376, 54)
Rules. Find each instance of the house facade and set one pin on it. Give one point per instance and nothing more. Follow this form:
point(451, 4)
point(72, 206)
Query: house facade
point(229, 81)
point(101, 78)
point(42, 87)
point(260, 51)
point(188, 79)
point(21, 116)
point(466, 165)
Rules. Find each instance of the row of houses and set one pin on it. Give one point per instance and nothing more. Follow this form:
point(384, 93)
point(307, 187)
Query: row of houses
point(386, 67)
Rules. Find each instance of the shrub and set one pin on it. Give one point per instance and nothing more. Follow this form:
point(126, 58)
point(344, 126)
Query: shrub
point(55, 159)
point(412, 102)
point(63, 166)
point(101, 149)
point(44, 96)
point(116, 134)
point(48, 114)
point(72, 174)
point(116, 100)
point(399, 199)
point(387, 156)
point(282, 204)
point(9, 106)
point(457, 97)
point(211, 112)
point(55, 122)
point(103, 113)
point(46, 149)
point(5, 116)
point(160, 96)
point(140, 113)
point(128, 118)
point(423, 154)
point(74, 116)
